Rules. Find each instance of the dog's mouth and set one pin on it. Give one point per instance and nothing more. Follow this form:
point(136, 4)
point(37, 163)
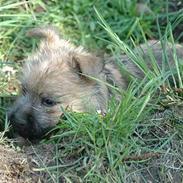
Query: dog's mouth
point(30, 130)
point(29, 133)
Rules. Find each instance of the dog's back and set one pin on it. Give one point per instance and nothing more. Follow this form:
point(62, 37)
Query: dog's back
point(164, 57)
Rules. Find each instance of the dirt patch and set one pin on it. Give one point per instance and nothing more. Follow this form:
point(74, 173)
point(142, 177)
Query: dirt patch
point(16, 166)
point(39, 163)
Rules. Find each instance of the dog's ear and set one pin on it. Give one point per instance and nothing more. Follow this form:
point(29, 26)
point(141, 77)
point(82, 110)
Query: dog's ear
point(49, 34)
point(87, 65)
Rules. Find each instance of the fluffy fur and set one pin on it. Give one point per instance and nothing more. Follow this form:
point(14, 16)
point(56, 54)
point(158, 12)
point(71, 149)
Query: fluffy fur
point(61, 76)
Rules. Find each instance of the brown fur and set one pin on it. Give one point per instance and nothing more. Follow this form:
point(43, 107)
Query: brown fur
point(61, 76)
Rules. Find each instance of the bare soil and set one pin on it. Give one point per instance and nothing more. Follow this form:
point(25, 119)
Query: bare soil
point(31, 163)
point(20, 166)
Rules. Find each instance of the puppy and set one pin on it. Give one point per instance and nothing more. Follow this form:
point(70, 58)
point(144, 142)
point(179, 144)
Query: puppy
point(61, 76)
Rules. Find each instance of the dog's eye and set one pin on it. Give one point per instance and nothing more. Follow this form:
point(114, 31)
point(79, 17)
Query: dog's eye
point(48, 102)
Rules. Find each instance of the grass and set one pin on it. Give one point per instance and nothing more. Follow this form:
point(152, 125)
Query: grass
point(141, 137)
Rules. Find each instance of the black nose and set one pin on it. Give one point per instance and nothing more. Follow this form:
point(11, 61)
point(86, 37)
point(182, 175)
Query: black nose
point(20, 121)
point(23, 124)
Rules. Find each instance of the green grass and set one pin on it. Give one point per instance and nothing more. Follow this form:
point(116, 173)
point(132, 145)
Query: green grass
point(137, 136)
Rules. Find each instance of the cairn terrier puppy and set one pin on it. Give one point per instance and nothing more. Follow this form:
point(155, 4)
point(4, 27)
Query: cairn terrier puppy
point(62, 76)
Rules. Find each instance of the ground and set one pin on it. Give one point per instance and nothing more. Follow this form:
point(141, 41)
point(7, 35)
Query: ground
point(139, 141)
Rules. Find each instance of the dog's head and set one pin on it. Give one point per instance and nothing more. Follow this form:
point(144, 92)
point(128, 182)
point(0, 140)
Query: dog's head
point(58, 76)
